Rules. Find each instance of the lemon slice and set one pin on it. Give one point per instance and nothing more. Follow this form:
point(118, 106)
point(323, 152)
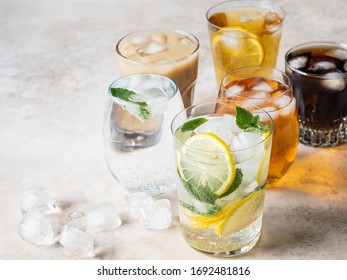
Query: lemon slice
point(244, 213)
point(234, 47)
point(206, 161)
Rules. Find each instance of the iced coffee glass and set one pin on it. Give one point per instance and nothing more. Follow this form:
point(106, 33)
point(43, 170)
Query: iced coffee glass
point(172, 53)
point(271, 90)
point(319, 74)
point(137, 141)
point(244, 33)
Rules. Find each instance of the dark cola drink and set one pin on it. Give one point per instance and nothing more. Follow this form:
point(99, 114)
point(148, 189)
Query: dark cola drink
point(318, 71)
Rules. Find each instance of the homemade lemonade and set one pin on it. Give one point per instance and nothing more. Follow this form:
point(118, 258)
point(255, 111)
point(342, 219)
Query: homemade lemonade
point(223, 163)
point(244, 33)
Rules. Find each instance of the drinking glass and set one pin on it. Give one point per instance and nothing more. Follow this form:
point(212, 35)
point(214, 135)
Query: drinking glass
point(244, 33)
point(318, 71)
point(223, 171)
point(271, 90)
point(137, 137)
point(172, 53)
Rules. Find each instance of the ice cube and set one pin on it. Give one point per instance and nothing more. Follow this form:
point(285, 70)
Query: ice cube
point(298, 62)
point(281, 101)
point(159, 38)
point(249, 16)
point(337, 53)
point(345, 67)
point(153, 48)
point(139, 40)
point(76, 241)
point(333, 81)
point(234, 90)
point(40, 199)
point(36, 228)
point(184, 41)
point(158, 105)
point(316, 64)
point(271, 110)
point(156, 215)
point(288, 109)
point(263, 87)
point(103, 217)
point(136, 201)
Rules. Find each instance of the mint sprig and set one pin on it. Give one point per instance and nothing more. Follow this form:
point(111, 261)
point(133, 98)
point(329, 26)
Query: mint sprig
point(211, 210)
point(125, 95)
point(246, 121)
point(235, 184)
point(201, 193)
point(192, 124)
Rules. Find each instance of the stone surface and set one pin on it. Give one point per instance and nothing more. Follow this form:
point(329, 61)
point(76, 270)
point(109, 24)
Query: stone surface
point(57, 61)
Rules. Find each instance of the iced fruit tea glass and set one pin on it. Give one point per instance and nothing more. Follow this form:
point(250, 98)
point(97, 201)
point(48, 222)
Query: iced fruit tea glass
point(271, 90)
point(223, 172)
point(172, 53)
point(244, 33)
point(318, 71)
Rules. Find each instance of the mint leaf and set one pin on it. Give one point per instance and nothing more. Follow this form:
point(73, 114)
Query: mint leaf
point(192, 124)
point(246, 121)
point(203, 194)
point(211, 210)
point(125, 94)
point(235, 184)
point(140, 110)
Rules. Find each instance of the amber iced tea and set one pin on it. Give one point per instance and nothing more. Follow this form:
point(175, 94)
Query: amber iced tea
point(276, 98)
point(244, 33)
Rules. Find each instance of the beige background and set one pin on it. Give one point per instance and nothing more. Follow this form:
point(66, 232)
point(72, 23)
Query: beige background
point(57, 60)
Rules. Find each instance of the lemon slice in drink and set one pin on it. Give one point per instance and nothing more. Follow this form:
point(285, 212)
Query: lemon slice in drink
point(206, 161)
point(235, 47)
point(244, 213)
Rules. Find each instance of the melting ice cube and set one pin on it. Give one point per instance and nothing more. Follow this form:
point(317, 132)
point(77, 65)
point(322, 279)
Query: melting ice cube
point(36, 228)
point(234, 90)
point(139, 40)
point(337, 53)
point(136, 201)
point(333, 81)
point(281, 101)
point(263, 87)
point(298, 62)
point(321, 65)
point(153, 48)
point(103, 217)
point(249, 16)
point(40, 199)
point(156, 215)
point(77, 241)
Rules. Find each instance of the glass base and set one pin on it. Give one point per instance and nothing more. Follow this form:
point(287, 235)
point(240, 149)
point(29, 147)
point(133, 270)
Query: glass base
point(323, 136)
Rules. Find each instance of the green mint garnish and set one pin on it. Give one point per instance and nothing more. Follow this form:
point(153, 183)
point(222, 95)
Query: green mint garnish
point(203, 194)
point(125, 95)
point(211, 210)
point(246, 121)
point(192, 124)
point(235, 184)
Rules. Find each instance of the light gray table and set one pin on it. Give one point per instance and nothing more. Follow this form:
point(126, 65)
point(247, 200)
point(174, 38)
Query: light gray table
point(57, 60)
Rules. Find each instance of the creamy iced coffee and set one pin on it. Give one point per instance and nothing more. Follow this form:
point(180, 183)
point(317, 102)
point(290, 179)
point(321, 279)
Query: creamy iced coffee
point(170, 53)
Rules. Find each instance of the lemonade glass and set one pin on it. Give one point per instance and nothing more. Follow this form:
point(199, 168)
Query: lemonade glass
point(271, 90)
point(244, 33)
point(223, 172)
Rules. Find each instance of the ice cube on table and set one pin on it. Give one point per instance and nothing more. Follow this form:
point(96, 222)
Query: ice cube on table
point(39, 199)
point(333, 81)
point(156, 215)
point(77, 241)
point(153, 48)
point(103, 217)
point(298, 62)
point(136, 201)
point(36, 228)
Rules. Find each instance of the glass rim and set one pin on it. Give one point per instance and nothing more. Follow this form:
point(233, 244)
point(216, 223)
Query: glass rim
point(224, 103)
point(267, 4)
point(145, 31)
point(175, 91)
point(315, 43)
point(287, 83)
